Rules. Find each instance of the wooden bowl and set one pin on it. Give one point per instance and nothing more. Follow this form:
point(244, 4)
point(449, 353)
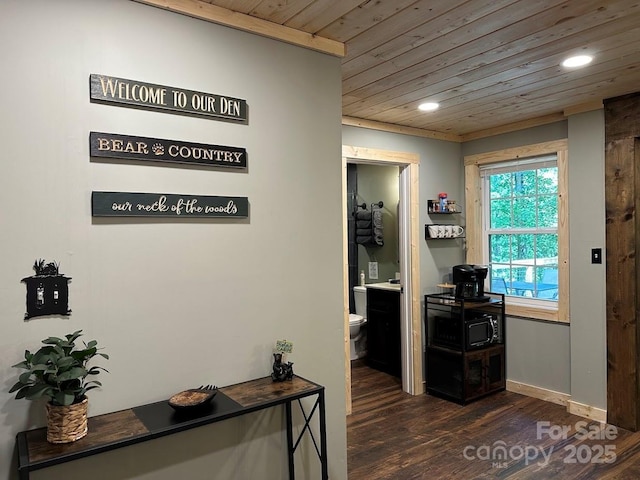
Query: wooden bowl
point(193, 398)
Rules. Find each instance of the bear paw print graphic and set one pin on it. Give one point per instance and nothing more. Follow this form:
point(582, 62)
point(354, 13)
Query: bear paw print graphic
point(157, 149)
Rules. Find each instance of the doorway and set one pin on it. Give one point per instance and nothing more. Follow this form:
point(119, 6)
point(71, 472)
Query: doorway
point(410, 327)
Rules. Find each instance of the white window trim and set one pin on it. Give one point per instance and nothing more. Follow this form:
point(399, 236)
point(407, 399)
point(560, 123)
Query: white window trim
point(474, 212)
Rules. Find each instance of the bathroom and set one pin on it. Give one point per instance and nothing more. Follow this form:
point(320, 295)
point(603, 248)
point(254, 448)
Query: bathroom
point(370, 184)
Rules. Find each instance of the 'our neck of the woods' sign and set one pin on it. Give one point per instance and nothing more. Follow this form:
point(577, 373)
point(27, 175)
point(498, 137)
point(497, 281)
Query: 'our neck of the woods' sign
point(132, 93)
point(127, 204)
point(112, 145)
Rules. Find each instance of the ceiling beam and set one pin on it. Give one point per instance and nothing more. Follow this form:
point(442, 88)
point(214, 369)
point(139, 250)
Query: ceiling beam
point(247, 23)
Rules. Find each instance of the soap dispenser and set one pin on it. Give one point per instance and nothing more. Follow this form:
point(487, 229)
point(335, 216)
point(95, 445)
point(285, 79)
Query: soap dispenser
point(362, 278)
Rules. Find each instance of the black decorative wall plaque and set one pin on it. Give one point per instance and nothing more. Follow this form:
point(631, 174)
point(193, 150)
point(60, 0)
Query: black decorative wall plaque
point(127, 204)
point(112, 145)
point(132, 93)
point(47, 291)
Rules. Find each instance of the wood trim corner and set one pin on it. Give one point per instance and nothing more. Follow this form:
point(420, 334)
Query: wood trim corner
point(563, 314)
point(559, 398)
point(583, 107)
point(379, 156)
point(403, 130)
point(416, 317)
point(515, 153)
point(513, 127)
point(587, 411)
point(545, 394)
point(240, 21)
point(345, 294)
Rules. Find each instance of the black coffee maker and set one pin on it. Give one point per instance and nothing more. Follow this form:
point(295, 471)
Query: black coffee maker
point(469, 282)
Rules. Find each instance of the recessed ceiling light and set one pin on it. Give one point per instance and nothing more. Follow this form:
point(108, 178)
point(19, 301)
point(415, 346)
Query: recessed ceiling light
point(428, 106)
point(577, 61)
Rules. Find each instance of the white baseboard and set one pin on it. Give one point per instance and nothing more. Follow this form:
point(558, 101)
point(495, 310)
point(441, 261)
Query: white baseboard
point(559, 398)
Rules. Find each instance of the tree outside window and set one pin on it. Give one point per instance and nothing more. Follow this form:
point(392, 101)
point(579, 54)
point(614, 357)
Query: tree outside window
point(521, 229)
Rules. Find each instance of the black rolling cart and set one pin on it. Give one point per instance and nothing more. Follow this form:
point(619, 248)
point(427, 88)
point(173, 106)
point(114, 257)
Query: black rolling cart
point(465, 351)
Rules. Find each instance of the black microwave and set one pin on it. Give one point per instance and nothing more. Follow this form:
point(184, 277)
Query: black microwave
point(476, 332)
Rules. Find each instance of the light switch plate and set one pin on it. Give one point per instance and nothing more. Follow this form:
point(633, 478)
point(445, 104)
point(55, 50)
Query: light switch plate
point(373, 270)
point(596, 255)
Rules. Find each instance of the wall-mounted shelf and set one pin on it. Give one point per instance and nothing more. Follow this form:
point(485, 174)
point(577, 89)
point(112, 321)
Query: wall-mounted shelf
point(442, 232)
point(433, 208)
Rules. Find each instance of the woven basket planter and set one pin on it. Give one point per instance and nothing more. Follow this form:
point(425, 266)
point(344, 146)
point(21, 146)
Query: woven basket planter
point(66, 424)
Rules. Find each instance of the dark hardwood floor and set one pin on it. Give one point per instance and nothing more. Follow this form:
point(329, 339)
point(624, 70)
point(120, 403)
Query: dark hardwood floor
point(393, 435)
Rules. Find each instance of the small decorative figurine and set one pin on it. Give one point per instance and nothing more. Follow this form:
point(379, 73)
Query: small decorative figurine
point(282, 371)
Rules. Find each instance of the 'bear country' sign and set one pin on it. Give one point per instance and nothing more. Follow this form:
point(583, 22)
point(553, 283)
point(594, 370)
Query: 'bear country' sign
point(113, 145)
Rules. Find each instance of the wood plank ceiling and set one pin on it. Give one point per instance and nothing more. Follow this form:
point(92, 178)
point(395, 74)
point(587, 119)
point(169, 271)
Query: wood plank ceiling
point(492, 65)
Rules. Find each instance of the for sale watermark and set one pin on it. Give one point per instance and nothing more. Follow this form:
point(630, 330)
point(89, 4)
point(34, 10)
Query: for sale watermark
point(583, 453)
point(500, 454)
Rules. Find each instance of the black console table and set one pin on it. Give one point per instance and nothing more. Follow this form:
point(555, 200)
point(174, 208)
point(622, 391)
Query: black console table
point(146, 422)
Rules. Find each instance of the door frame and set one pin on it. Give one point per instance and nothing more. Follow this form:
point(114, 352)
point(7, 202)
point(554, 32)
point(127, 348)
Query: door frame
point(410, 327)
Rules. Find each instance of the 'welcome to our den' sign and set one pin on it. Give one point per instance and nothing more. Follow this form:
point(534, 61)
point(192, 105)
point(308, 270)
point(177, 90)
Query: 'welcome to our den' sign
point(129, 204)
point(132, 93)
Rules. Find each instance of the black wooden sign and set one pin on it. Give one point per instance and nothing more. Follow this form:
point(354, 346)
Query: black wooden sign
point(132, 93)
point(127, 204)
point(113, 145)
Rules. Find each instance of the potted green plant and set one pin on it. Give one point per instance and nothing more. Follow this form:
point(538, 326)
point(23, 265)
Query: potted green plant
point(59, 371)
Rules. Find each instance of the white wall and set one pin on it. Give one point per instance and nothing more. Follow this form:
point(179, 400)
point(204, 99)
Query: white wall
point(175, 303)
point(588, 281)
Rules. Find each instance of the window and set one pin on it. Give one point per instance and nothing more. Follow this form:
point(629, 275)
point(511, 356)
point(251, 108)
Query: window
point(517, 225)
point(520, 227)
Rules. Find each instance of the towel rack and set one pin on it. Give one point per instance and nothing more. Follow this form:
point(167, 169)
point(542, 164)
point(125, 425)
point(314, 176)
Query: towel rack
point(360, 205)
point(363, 206)
point(374, 237)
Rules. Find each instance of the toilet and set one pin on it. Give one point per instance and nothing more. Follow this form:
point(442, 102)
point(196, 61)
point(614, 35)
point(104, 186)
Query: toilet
point(357, 320)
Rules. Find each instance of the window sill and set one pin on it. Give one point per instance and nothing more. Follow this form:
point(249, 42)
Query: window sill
point(550, 314)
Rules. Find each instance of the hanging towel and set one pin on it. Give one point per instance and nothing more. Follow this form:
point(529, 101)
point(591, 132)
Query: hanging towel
point(364, 230)
point(363, 215)
point(378, 237)
point(365, 239)
point(377, 218)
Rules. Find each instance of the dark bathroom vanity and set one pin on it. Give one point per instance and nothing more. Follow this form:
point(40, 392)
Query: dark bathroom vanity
point(383, 328)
